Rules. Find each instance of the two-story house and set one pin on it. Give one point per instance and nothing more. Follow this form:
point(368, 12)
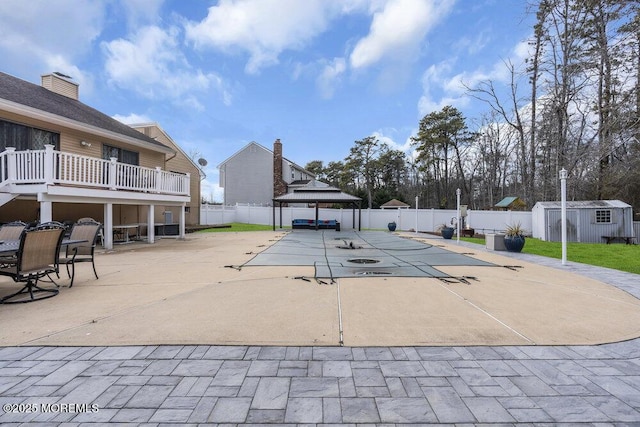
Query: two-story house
point(63, 160)
point(255, 175)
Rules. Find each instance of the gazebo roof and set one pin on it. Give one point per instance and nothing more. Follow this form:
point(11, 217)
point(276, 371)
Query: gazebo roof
point(394, 204)
point(317, 195)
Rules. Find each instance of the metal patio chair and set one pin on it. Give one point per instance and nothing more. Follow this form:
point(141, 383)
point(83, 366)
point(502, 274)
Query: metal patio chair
point(88, 230)
point(11, 231)
point(36, 258)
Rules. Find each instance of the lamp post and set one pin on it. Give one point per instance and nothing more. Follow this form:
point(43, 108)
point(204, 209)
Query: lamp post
point(416, 214)
point(563, 195)
point(458, 192)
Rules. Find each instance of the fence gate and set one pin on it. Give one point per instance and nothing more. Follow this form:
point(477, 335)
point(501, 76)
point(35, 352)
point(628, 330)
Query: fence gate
point(554, 225)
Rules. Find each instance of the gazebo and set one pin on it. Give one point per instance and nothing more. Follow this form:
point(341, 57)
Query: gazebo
point(318, 195)
point(395, 204)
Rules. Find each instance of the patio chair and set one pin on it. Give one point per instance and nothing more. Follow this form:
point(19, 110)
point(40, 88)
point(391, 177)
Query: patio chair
point(88, 230)
point(36, 258)
point(12, 230)
point(100, 234)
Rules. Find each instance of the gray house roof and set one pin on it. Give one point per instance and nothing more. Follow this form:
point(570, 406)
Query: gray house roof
point(31, 95)
point(585, 204)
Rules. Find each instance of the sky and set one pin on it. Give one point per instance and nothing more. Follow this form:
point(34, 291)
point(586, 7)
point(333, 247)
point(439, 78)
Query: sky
point(316, 74)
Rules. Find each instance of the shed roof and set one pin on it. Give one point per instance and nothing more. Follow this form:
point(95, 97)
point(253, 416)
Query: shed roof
point(584, 204)
point(508, 201)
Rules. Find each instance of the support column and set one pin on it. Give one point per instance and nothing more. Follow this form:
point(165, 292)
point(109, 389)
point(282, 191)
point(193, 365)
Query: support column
point(151, 226)
point(46, 212)
point(108, 226)
point(183, 219)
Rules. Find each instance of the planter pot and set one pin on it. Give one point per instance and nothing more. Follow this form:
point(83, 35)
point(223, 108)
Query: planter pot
point(447, 232)
point(392, 226)
point(514, 243)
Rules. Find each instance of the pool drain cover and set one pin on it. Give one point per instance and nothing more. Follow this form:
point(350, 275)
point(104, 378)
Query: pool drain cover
point(363, 261)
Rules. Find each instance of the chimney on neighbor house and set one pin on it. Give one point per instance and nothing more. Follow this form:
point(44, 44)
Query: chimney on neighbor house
point(61, 84)
point(279, 186)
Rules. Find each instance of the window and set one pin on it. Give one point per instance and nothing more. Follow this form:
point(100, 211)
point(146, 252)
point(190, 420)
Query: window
point(25, 137)
point(123, 156)
point(603, 216)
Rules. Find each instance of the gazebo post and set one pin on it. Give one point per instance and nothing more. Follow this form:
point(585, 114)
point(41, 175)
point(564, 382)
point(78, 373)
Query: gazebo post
point(353, 214)
point(273, 214)
point(280, 205)
point(317, 213)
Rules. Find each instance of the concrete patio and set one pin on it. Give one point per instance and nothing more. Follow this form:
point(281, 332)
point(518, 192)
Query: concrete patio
point(184, 292)
point(168, 334)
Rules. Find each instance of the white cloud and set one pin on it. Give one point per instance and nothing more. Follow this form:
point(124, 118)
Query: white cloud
point(383, 135)
point(433, 80)
point(152, 64)
point(398, 30)
point(141, 12)
point(261, 28)
point(132, 118)
point(330, 77)
point(442, 87)
point(51, 37)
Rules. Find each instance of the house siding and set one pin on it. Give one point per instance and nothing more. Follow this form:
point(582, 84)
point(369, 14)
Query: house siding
point(60, 86)
point(247, 177)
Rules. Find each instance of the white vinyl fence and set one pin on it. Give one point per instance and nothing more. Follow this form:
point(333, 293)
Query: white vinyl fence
point(406, 219)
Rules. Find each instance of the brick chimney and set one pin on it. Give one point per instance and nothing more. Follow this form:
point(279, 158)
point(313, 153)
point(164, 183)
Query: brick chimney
point(61, 84)
point(279, 186)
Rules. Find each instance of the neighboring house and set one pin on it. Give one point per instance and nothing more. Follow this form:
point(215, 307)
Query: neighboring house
point(63, 160)
point(255, 175)
point(587, 221)
point(181, 163)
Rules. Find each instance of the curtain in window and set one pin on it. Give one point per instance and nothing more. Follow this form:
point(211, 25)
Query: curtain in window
point(24, 137)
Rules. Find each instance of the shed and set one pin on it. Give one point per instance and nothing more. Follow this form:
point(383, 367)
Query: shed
point(511, 203)
point(587, 221)
point(395, 204)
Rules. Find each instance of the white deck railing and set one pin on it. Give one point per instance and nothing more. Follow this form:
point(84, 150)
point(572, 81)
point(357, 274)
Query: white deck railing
point(49, 166)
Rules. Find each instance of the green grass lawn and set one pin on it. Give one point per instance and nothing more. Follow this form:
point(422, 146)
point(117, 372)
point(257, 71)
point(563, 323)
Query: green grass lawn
point(617, 256)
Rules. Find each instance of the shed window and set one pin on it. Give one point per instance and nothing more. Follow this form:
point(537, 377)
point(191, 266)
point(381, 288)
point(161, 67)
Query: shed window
point(603, 216)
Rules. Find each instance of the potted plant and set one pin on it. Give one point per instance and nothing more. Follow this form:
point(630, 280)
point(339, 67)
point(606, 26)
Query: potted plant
point(446, 231)
point(392, 226)
point(514, 237)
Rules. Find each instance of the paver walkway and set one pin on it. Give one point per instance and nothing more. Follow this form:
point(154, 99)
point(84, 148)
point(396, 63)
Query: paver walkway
point(245, 384)
point(182, 385)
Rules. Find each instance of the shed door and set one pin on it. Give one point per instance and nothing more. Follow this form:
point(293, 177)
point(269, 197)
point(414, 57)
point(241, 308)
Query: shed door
point(554, 224)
